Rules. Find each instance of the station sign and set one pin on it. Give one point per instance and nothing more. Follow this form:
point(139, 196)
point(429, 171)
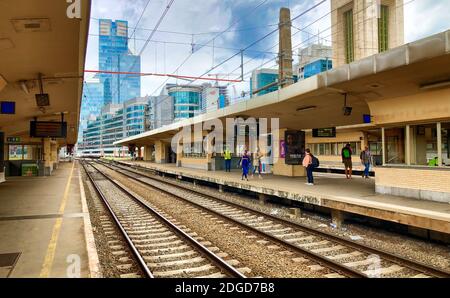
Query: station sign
point(324, 132)
point(44, 129)
point(13, 139)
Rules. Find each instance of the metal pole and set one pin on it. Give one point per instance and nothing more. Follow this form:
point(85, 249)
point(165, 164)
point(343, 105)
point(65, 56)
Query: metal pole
point(242, 65)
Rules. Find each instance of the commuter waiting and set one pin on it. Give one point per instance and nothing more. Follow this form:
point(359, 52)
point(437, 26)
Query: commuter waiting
point(346, 154)
point(245, 165)
point(257, 163)
point(227, 158)
point(366, 160)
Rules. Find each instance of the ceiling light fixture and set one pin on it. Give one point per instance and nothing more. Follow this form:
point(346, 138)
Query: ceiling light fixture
point(435, 85)
point(306, 108)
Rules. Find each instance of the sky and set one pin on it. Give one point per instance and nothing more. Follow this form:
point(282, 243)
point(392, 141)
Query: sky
point(200, 22)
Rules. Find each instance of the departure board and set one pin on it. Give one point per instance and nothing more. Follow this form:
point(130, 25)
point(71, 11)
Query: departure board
point(43, 129)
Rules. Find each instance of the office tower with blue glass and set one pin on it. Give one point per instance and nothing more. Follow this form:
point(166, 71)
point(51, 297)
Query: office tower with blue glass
point(262, 78)
point(115, 56)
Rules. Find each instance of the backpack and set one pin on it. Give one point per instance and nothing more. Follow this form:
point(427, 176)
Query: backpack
point(315, 161)
point(346, 152)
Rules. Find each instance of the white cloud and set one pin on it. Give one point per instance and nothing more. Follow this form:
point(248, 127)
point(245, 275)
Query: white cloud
point(422, 17)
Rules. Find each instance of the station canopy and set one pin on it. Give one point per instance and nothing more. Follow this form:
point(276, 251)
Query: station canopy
point(318, 101)
point(38, 37)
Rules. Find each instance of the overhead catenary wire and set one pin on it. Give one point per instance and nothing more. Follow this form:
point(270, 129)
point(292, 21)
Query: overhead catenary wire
point(218, 35)
point(247, 47)
point(166, 10)
point(299, 45)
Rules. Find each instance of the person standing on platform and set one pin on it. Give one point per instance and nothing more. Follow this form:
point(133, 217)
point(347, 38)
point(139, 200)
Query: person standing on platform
point(366, 160)
point(257, 163)
point(245, 164)
point(308, 164)
point(227, 158)
point(346, 154)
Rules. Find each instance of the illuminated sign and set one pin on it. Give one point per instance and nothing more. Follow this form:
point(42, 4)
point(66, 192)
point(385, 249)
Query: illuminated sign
point(13, 139)
point(324, 132)
point(41, 129)
point(7, 107)
point(294, 146)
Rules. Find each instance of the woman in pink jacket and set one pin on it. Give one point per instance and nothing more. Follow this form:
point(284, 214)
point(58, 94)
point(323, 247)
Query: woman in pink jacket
point(308, 164)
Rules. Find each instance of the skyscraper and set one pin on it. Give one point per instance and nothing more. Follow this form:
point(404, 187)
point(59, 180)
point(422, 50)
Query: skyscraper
point(92, 103)
point(114, 56)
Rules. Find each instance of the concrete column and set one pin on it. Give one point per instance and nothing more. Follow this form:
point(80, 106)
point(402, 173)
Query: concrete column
point(280, 167)
point(139, 150)
point(48, 165)
point(383, 145)
point(408, 145)
point(337, 218)
point(285, 48)
point(54, 154)
point(220, 188)
point(148, 153)
point(160, 152)
point(439, 143)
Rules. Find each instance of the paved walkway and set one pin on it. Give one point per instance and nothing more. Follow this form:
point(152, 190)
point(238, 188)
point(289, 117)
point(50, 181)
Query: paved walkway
point(45, 226)
point(331, 190)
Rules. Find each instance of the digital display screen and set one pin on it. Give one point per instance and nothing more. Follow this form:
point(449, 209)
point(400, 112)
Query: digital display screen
point(7, 107)
point(41, 129)
point(324, 132)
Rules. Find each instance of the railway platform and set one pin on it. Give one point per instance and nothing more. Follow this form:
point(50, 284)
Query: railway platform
point(45, 227)
point(332, 191)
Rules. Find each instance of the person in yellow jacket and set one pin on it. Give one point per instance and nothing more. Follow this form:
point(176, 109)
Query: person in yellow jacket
point(227, 157)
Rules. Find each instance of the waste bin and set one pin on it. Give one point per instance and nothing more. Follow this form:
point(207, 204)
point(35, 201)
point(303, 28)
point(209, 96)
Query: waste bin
point(30, 170)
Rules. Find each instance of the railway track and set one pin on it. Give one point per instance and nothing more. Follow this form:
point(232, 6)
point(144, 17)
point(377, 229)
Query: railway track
point(343, 256)
point(161, 248)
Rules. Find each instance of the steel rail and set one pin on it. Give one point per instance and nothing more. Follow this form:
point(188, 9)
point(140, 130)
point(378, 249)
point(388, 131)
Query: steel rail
point(335, 266)
point(218, 261)
point(133, 248)
point(392, 257)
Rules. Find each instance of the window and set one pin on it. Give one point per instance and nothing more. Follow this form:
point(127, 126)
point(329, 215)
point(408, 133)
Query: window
point(15, 152)
point(334, 149)
point(445, 139)
point(24, 152)
point(424, 144)
point(348, 31)
point(395, 145)
point(383, 29)
point(31, 152)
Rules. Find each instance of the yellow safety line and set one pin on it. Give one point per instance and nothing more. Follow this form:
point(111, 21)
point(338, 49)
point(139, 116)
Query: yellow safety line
point(50, 255)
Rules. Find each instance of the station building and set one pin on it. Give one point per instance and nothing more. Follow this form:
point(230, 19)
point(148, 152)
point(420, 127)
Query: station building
point(403, 89)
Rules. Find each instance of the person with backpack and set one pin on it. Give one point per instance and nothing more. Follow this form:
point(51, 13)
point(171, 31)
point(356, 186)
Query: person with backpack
point(366, 160)
point(346, 154)
point(310, 162)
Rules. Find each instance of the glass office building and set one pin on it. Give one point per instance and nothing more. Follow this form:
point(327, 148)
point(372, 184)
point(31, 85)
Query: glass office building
point(261, 78)
point(187, 101)
point(116, 122)
point(115, 56)
point(91, 105)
